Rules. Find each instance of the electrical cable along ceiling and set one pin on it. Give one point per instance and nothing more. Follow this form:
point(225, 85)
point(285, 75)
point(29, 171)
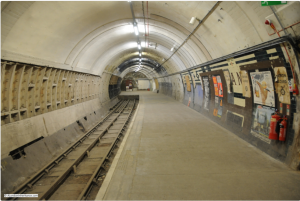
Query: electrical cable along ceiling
point(98, 37)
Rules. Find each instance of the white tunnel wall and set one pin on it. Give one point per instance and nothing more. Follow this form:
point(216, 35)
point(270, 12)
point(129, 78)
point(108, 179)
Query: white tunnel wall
point(57, 99)
point(88, 41)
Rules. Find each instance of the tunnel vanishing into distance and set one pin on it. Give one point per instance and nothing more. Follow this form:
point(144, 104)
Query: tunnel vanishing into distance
point(64, 65)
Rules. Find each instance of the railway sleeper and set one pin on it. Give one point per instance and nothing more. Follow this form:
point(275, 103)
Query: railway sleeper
point(85, 158)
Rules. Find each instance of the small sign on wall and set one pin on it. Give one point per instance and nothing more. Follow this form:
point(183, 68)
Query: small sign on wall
point(282, 85)
point(272, 3)
point(245, 84)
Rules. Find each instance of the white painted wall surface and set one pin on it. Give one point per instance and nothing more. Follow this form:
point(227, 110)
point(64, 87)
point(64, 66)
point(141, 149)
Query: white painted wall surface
point(143, 84)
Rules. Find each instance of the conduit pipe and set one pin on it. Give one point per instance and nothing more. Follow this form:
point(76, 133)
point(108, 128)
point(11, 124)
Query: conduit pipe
point(147, 27)
point(285, 28)
point(241, 52)
point(196, 28)
point(144, 21)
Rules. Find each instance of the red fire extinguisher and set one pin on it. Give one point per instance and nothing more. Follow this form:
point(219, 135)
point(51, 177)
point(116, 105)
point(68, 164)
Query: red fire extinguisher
point(273, 134)
point(282, 132)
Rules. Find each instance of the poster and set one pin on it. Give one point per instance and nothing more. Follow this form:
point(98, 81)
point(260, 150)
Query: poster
point(282, 85)
point(235, 75)
point(207, 92)
point(215, 85)
point(236, 83)
point(227, 78)
point(188, 83)
point(261, 120)
point(220, 87)
point(245, 84)
point(218, 95)
point(263, 90)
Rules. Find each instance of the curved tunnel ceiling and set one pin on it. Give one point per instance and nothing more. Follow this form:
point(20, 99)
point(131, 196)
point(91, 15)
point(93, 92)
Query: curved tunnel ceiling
point(96, 37)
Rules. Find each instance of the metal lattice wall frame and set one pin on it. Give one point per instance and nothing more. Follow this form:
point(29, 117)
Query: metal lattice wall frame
point(28, 90)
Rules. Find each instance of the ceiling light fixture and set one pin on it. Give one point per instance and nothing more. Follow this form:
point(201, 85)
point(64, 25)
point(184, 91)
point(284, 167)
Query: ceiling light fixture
point(193, 20)
point(135, 27)
point(139, 46)
point(140, 54)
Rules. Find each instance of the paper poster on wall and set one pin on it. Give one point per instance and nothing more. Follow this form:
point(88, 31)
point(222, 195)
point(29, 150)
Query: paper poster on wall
point(218, 95)
point(263, 90)
point(207, 93)
point(220, 87)
point(227, 78)
point(282, 83)
point(156, 83)
point(235, 75)
point(188, 83)
point(261, 120)
point(245, 84)
point(215, 85)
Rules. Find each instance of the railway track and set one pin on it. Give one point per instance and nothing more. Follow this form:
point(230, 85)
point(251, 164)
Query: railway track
point(77, 173)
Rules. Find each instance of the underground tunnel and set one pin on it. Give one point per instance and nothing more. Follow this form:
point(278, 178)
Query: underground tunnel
point(150, 100)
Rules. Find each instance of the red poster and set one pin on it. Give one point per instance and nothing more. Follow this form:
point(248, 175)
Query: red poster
point(215, 86)
point(220, 88)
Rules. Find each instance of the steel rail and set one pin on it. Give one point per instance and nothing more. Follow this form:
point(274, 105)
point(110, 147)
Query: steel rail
point(96, 173)
point(56, 184)
point(28, 184)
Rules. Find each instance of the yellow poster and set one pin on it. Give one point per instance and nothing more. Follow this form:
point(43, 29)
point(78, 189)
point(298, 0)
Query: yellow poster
point(245, 84)
point(188, 83)
point(282, 85)
point(262, 86)
point(156, 83)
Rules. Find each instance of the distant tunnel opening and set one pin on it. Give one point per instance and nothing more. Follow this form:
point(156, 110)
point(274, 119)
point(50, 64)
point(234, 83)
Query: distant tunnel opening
point(135, 81)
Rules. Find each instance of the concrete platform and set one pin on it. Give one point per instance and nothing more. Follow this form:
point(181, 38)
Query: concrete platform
point(173, 152)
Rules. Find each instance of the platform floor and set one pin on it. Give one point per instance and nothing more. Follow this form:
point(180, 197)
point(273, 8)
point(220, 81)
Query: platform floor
point(173, 152)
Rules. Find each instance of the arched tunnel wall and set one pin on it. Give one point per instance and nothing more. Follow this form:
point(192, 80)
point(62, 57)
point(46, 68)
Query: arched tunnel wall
point(50, 107)
point(239, 110)
point(61, 70)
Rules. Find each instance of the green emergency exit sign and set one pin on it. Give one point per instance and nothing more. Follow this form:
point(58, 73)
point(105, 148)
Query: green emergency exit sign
point(272, 3)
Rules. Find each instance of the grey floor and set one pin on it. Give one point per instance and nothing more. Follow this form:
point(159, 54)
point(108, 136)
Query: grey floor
point(173, 152)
